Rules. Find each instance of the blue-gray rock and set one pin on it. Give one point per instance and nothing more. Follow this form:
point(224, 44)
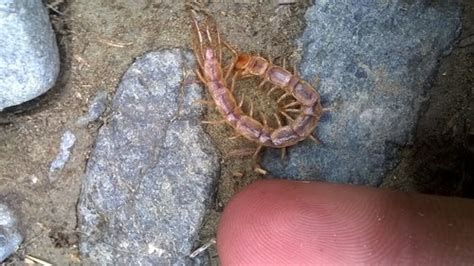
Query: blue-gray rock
point(375, 60)
point(96, 108)
point(152, 171)
point(10, 236)
point(67, 142)
point(29, 57)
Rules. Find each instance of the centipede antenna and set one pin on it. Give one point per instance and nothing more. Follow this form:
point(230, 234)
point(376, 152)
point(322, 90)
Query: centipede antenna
point(277, 119)
point(199, 58)
point(283, 153)
point(287, 116)
point(272, 90)
point(283, 97)
point(292, 110)
point(291, 104)
point(198, 30)
point(232, 49)
point(219, 47)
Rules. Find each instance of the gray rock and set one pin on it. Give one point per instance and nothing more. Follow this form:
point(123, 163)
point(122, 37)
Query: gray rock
point(151, 174)
point(375, 60)
point(67, 142)
point(29, 57)
point(96, 109)
point(10, 236)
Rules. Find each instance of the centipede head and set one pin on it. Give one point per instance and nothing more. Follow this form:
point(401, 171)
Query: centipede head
point(242, 61)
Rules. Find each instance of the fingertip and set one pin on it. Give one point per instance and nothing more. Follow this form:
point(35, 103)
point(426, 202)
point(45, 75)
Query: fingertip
point(287, 222)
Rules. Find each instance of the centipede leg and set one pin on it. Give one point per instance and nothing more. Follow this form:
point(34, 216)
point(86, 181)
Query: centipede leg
point(287, 116)
point(295, 71)
point(234, 59)
point(251, 109)
point(217, 122)
point(290, 110)
point(283, 97)
point(255, 154)
point(292, 104)
point(234, 137)
point(315, 140)
point(262, 83)
point(198, 58)
point(204, 102)
point(283, 153)
point(277, 119)
point(241, 103)
point(259, 169)
point(272, 90)
point(316, 81)
point(199, 75)
point(232, 84)
point(264, 119)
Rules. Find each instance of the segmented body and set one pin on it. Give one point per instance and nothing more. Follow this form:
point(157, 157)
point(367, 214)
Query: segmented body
point(306, 96)
point(209, 57)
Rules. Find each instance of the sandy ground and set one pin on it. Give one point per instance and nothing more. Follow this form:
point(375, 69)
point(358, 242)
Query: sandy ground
point(100, 39)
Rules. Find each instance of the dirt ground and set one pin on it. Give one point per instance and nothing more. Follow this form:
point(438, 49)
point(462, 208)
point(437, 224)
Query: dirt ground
point(98, 41)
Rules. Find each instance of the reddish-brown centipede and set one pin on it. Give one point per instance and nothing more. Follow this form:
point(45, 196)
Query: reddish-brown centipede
point(208, 52)
point(306, 96)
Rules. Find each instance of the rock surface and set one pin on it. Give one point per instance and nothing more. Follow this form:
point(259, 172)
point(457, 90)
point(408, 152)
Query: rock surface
point(375, 60)
point(29, 57)
point(10, 237)
point(152, 171)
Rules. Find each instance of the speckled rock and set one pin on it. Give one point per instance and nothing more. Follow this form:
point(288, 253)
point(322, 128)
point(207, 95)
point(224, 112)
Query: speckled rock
point(375, 60)
point(10, 236)
point(150, 176)
point(29, 57)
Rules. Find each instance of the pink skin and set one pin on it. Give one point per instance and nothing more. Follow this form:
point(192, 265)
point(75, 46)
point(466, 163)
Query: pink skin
point(276, 222)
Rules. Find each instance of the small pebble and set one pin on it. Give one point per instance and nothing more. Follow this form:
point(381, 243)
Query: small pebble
point(10, 236)
point(67, 142)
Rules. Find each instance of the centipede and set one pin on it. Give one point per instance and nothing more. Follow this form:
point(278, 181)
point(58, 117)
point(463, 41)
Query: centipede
point(208, 53)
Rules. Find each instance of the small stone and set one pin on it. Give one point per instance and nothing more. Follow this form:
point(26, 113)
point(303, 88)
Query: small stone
point(67, 142)
point(96, 109)
point(10, 236)
point(152, 172)
point(375, 60)
point(29, 57)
